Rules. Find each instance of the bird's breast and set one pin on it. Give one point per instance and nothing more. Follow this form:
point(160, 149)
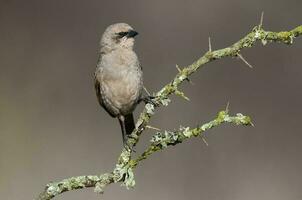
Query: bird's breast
point(122, 88)
point(120, 78)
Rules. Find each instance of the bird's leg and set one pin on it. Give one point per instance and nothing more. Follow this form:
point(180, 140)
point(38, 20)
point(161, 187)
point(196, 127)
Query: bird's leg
point(121, 119)
point(148, 99)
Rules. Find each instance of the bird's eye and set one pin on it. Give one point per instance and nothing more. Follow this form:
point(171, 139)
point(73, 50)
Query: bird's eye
point(122, 34)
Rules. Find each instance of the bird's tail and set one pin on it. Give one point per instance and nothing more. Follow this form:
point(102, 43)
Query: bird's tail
point(127, 125)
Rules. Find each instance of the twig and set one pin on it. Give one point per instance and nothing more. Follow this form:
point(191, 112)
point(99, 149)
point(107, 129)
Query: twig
point(243, 59)
point(261, 20)
point(210, 45)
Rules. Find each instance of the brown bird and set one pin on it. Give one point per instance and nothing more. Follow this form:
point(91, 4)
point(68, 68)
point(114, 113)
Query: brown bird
point(118, 78)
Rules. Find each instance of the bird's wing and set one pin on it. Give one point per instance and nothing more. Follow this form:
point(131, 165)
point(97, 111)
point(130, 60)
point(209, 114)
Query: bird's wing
point(97, 86)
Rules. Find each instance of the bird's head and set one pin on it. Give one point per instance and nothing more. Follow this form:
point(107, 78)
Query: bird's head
point(119, 35)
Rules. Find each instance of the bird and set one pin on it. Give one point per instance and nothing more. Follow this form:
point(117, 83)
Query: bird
point(118, 78)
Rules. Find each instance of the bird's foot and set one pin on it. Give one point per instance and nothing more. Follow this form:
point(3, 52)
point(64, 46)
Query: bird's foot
point(148, 99)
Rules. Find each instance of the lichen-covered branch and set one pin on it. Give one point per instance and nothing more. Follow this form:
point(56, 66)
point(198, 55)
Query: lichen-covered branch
point(73, 183)
point(159, 141)
point(164, 139)
point(123, 171)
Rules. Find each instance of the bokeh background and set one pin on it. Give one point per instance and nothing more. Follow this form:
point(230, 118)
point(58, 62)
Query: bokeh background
point(51, 126)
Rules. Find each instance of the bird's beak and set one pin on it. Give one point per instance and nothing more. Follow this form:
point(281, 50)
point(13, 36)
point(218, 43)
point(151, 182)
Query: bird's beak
point(132, 34)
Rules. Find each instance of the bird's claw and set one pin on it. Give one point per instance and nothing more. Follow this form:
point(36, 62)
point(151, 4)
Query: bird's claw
point(149, 99)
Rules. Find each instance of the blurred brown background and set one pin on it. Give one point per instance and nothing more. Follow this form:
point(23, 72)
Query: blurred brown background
point(52, 127)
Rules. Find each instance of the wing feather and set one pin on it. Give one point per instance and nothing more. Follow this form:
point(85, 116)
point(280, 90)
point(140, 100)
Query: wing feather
point(97, 86)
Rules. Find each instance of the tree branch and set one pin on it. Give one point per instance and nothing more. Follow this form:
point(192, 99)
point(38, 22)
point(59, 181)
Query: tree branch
point(161, 140)
point(123, 172)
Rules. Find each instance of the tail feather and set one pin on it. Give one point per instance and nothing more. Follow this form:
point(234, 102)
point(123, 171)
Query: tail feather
point(129, 124)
